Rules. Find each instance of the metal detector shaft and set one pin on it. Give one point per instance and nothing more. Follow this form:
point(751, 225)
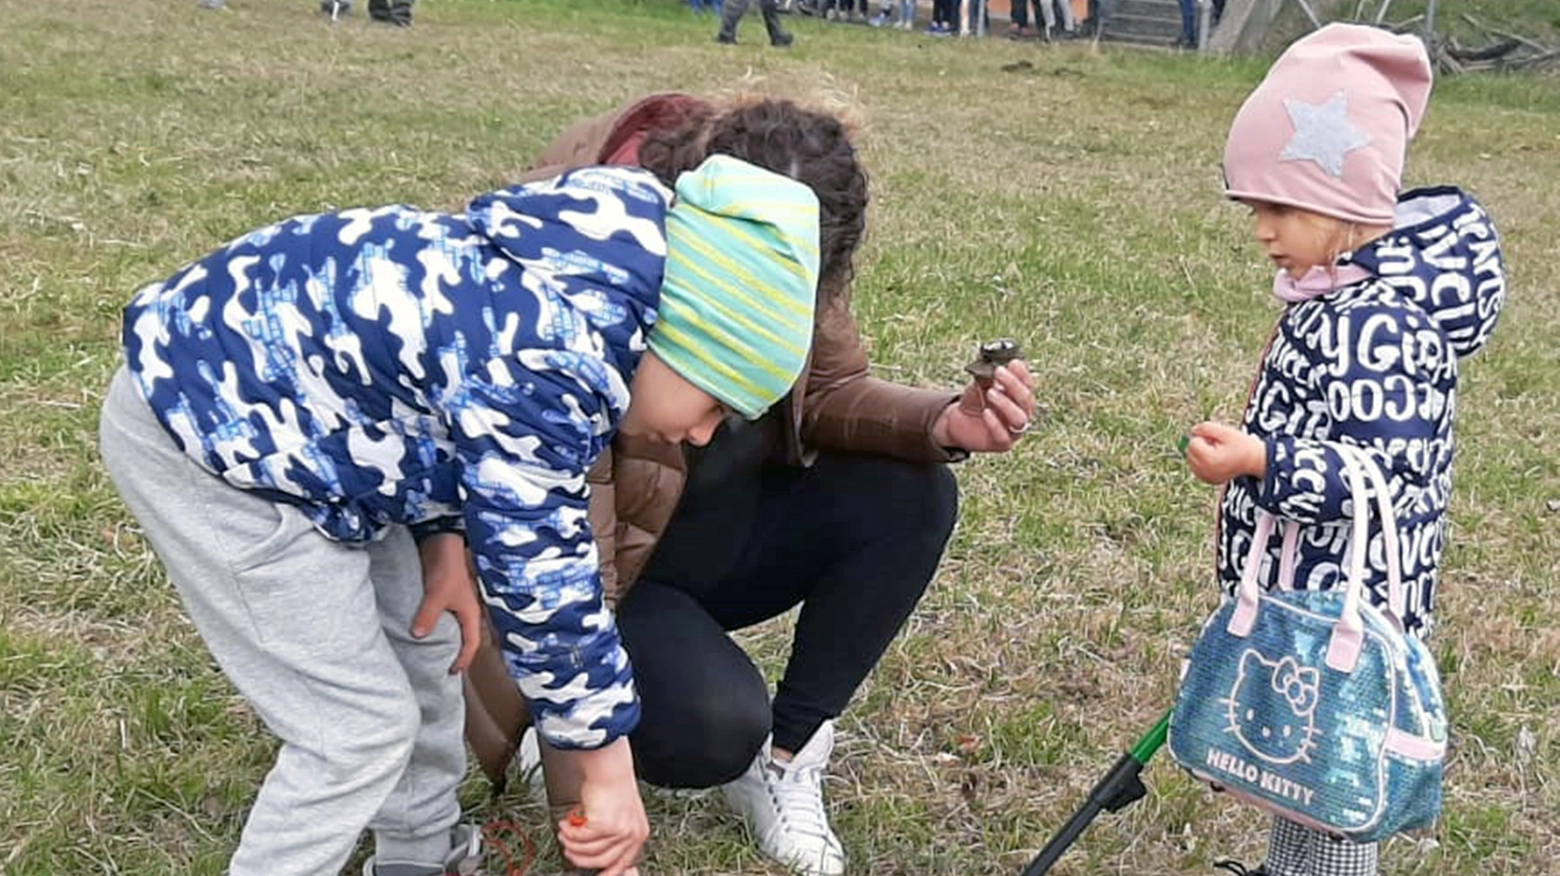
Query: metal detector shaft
point(1120, 787)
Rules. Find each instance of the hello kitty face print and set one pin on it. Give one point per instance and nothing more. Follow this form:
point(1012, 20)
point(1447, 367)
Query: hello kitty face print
point(1272, 708)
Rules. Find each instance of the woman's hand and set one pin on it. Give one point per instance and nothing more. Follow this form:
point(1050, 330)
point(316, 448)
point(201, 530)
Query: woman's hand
point(608, 830)
point(448, 586)
point(1218, 453)
point(990, 420)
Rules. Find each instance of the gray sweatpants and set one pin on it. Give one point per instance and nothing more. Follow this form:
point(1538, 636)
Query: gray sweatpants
point(316, 635)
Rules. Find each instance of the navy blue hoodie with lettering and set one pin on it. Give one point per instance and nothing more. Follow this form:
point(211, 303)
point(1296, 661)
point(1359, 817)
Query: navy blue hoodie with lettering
point(1372, 365)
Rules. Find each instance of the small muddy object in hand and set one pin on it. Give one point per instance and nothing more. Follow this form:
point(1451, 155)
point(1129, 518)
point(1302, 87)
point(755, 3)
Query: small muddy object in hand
point(993, 354)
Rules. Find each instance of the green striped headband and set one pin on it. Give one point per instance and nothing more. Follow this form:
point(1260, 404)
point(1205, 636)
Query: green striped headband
point(736, 311)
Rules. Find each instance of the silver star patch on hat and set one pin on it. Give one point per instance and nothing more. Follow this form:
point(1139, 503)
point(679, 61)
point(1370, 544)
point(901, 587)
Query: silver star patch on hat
point(1323, 133)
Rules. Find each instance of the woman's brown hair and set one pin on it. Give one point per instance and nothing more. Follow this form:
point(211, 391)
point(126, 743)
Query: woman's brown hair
point(809, 146)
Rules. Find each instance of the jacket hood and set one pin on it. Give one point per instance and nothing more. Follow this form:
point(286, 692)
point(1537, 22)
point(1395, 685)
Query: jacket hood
point(602, 227)
point(657, 112)
point(1444, 255)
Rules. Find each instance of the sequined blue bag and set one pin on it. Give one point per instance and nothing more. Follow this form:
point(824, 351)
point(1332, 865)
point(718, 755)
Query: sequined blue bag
point(1316, 705)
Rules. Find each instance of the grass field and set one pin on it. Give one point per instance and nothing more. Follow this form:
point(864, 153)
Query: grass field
point(1073, 203)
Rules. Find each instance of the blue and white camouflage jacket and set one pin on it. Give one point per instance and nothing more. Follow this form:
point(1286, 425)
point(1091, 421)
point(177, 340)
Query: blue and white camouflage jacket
point(441, 371)
point(1371, 365)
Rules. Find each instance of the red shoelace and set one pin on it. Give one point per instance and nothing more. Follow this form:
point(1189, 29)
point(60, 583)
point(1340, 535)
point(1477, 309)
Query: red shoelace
point(494, 832)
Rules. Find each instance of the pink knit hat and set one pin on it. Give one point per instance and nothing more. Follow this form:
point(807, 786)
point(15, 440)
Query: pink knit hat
point(1327, 128)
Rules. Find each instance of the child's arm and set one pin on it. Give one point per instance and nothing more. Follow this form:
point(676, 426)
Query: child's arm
point(525, 444)
point(525, 438)
point(1383, 379)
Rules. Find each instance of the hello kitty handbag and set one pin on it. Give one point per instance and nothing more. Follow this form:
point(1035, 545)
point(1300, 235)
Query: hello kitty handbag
point(1315, 705)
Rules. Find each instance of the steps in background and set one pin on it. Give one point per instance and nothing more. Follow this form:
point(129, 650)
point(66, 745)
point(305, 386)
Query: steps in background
point(1144, 22)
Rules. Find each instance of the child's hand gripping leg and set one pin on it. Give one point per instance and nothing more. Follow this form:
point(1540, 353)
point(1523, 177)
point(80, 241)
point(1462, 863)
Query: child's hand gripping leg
point(448, 586)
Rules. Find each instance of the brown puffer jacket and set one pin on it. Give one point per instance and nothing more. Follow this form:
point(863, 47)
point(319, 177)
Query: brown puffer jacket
point(635, 486)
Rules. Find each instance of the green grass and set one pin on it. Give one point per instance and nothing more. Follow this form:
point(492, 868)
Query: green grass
point(1074, 205)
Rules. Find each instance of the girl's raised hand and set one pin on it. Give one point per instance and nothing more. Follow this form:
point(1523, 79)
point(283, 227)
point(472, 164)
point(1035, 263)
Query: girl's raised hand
point(1217, 453)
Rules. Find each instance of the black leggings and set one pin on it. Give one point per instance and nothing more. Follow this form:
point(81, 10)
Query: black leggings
point(854, 539)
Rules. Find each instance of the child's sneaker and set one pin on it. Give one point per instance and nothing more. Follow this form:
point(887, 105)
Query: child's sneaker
point(464, 858)
point(529, 756)
point(782, 801)
point(1238, 868)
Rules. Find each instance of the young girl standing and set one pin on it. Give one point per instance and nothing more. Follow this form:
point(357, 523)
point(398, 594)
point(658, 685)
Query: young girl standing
point(1383, 295)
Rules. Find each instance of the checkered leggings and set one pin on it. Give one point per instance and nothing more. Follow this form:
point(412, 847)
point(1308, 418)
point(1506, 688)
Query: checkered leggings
point(1294, 850)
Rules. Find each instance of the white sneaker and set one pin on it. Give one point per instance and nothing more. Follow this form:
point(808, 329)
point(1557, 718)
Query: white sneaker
point(782, 802)
point(530, 757)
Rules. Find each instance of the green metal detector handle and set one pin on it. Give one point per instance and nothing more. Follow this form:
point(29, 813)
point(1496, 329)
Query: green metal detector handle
point(1153, 740)
point(1120, 788)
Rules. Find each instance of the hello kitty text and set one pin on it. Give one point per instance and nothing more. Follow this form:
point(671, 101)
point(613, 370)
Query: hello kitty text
point(1230, 764)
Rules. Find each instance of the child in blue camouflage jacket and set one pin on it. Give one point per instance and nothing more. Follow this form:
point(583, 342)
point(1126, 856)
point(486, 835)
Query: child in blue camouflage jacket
point(1384, 294)
point(316, 419)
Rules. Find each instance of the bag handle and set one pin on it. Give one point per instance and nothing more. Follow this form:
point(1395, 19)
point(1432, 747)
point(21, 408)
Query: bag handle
point(1397, 598)
point(1343, 651)
point(1348, 638)
point(1248, 595)
point(1287, 554)
point(1349, 633)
